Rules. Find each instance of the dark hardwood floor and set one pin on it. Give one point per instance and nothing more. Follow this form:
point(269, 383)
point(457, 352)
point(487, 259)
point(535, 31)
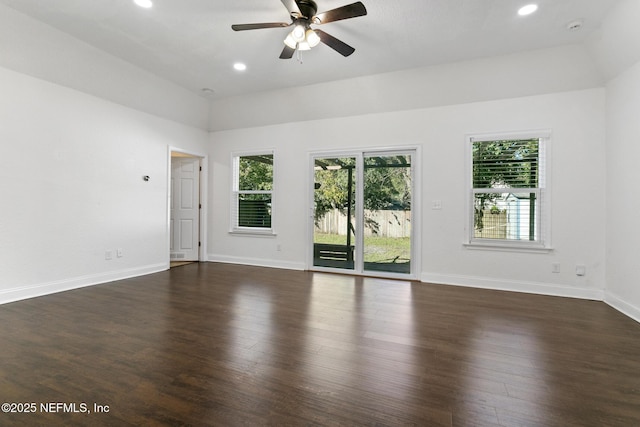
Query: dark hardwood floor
point(216, 344)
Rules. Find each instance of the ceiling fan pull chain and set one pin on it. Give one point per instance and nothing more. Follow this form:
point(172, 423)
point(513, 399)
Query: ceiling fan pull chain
point(299, 56)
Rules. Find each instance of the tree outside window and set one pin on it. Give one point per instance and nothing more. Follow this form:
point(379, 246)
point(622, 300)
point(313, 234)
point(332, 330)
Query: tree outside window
point(507, 190)
point(253, 192)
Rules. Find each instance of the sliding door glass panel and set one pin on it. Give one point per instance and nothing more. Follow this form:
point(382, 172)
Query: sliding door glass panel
point(334, 214)
point(387, 213)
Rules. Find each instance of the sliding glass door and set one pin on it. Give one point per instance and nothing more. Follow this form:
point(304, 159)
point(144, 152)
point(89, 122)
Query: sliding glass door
point(363, 212)
point(334, 212)
point(387, 213)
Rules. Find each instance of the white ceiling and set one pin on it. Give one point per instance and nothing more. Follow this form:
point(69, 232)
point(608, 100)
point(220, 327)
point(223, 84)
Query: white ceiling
point(190, 42)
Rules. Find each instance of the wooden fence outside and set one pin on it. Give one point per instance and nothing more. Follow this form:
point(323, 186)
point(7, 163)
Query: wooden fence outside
point(494, 225)
point(385, 223)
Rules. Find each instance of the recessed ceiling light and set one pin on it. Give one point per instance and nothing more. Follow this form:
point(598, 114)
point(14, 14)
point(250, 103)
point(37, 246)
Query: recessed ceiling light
point(143, 3)
point(528, 9)
point(239, 66)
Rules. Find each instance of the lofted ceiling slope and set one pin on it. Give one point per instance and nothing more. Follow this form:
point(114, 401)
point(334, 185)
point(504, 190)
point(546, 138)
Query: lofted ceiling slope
point(190, 42)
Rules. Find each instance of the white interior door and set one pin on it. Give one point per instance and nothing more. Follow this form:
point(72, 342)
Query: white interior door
point(185, 209)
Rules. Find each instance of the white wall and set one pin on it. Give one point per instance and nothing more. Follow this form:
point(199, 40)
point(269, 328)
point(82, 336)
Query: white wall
point(616, 50)
point(72, 164)
point(71, 182)
point(535, 72)
point(623, 198)
point(616, 46)
point(577, 179)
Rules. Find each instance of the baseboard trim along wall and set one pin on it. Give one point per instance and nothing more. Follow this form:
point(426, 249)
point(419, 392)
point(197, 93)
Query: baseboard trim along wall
point(38, 290)
point(623, 307)
point(465, 281)
point(514, 286)
point(33, 291)
point(258, 262)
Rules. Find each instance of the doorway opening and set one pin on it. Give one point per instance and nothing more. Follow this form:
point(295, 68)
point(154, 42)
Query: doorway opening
point(186, 207)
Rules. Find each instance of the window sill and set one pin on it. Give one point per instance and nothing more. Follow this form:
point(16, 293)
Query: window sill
point(506, 247)
point(253, 233)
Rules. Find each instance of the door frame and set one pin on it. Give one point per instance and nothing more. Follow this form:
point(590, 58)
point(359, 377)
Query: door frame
point(203, 178)
point(416, 209)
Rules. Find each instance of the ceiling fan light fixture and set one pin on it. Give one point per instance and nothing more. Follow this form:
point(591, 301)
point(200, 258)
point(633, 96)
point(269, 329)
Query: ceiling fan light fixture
point(304, 46)
point(298, 33)
point(312, 38)
point(289, 41)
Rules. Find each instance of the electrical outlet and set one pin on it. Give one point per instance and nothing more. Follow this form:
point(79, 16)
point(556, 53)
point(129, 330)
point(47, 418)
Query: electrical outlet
point(555, 267)
point(119, 253)
point(436, 205)
point(581, 270)
point(278, 247)
point(108, 255)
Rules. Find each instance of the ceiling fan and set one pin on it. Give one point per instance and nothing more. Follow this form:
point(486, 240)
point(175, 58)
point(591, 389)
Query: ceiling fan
point(303, 37)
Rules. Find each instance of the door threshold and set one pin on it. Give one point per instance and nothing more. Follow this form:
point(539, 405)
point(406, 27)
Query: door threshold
point(371, 274)
point(173, 264)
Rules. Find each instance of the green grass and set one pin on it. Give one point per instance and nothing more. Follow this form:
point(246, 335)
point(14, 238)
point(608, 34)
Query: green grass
point(331, 239)
point(377, 249)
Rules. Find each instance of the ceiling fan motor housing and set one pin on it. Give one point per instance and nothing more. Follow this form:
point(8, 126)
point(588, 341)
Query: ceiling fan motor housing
point(308, 9)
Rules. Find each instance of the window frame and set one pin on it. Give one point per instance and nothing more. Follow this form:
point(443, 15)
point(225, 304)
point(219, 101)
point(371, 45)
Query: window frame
point(234, 227)
point(543, 211)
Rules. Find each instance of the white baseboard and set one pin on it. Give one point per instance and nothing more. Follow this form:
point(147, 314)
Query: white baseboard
point(258, 262)
point(622, 306)
point(514, 286)
point(41, 289)
point(37, 290)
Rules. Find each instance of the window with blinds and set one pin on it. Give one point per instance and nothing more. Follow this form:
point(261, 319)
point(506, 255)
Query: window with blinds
point(252, 205)
point(507, 177)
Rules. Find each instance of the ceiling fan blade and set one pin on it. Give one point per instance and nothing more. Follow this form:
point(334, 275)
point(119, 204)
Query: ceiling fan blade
point(345, 12)
point(287, 53)
point(292, 7)
point(335, 44)
point(244, 27)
